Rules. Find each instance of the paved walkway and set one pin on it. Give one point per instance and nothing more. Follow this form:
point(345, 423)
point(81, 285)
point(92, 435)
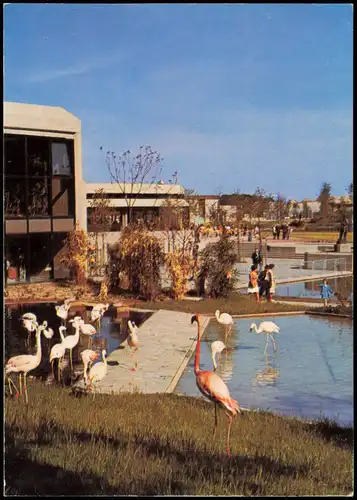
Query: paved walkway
point(166, 345)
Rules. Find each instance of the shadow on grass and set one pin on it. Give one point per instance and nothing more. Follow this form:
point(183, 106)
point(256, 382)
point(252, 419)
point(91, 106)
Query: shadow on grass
point(332, 432)
point(209, 463)
point(24, 476)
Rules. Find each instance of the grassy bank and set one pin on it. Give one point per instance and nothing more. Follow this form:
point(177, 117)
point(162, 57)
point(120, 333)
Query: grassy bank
point(235, 304)
point(162, 445)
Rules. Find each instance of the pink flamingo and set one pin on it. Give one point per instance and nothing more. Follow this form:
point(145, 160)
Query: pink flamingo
point(213, 388)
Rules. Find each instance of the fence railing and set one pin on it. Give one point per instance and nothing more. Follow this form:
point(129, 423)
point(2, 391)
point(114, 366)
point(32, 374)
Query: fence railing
point(339, 264)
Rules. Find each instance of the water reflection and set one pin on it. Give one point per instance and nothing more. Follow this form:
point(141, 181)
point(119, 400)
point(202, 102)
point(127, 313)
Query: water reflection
point(270, 374)
point(112, 332)
point(313, 360)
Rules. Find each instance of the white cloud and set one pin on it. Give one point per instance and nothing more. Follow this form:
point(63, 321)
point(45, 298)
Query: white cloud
point(78, 69)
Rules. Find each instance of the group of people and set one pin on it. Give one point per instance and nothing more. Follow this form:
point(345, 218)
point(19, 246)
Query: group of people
point(284, 228)
point(261, 281)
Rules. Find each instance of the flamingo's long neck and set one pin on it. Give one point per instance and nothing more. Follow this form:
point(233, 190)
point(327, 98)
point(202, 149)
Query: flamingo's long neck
point(258, 330)
point(38, 345)
point(214, 360)
point(198, 346)
point(104, 359)
point(85, 369)
point(217, 315)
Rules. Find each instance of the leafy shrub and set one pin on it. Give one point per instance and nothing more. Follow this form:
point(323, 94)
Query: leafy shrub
point(217, 266)
point(137, 257)
point(77, 249)
point(180, 266)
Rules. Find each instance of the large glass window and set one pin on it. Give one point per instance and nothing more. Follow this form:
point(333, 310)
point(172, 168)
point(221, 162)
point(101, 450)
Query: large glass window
point(15, 259)
point(14, 157)
point(37, 156)
point(38, 197)
point(62, 197)
point(15, 197)
point(40, 268)
point(61, 158)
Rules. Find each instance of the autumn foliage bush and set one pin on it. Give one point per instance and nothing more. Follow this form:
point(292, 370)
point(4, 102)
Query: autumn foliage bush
point(137, 257)
point(217, 266)
point(77, 249)
point(179, 265)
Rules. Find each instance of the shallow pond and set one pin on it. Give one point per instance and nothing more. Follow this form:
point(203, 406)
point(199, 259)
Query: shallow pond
point(112, 332)
point(309, 376)
point(311, 289)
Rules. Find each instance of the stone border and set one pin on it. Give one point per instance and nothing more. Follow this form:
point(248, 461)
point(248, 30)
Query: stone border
point(175, 379)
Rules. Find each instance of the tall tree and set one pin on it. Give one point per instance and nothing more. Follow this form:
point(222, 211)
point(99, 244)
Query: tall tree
point(241, 203)
point(281, 207)
point(324, 198)
point(101, 218)
point(134, 174)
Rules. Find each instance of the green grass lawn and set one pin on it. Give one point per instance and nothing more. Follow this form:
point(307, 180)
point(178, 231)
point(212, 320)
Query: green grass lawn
point(135, 444)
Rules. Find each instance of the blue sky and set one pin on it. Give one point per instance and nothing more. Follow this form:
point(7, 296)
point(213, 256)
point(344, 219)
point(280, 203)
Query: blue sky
point(233, 96)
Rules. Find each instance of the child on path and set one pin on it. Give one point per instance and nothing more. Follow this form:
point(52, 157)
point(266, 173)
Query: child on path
point(253, 283)
point(326, 291)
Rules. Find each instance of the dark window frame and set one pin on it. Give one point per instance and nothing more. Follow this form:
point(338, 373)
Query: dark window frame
point(26, 178)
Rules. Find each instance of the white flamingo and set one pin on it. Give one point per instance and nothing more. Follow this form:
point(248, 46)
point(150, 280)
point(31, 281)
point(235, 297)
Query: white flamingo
point(72, 340)
point(57, 352)
point(98, 371)
point(25, 362)
point(88, 356)
point(216, 347)
point(67, 302)
point(268, 328)
point(48, 332)
point(225, 319)
point(87, 329)
point(29, 322)
point(62, 312)
point(132, 339)
point(97, 312)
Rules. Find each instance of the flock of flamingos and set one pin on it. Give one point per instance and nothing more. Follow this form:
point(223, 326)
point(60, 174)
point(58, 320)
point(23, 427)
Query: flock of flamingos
point(208, 382)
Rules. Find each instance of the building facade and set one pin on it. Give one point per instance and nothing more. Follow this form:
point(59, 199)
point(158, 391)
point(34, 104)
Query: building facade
point(43, 189)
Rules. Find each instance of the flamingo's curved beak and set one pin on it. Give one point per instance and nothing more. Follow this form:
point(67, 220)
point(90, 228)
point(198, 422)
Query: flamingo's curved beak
point(194, 318)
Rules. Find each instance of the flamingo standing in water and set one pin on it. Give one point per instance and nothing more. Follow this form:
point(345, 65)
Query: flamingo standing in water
point(29, 322)
point(62, 312)
point(97, 312)
point(216, 347)
point(87, 329)
point(48, 332)
point(72, 340)
point(268, 328)
point(25, 363)
point(225, 319)
point(213, 388)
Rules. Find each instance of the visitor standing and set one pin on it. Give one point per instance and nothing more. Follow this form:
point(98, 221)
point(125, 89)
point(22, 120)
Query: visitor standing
point(272, 281)
point(250, 235)
point(274, 232)
point(264, 282)
point(253, 287)
point(256, 257)
point(277, 232)
point(326, 291)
